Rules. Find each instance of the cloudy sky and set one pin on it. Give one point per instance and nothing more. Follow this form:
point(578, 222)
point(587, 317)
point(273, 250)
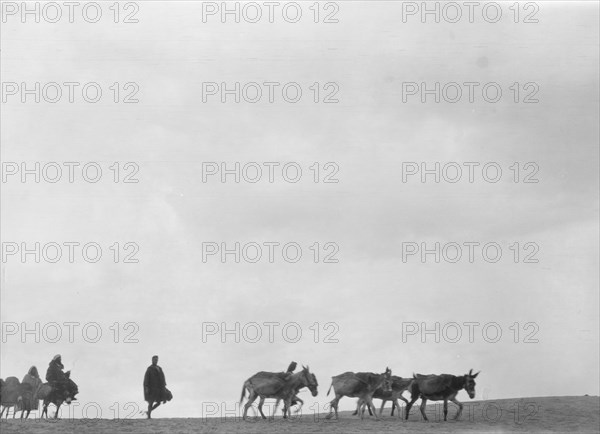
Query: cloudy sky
point(373, 295)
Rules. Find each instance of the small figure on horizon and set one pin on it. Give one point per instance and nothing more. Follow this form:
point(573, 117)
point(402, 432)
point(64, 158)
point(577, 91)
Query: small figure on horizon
point(155, 390)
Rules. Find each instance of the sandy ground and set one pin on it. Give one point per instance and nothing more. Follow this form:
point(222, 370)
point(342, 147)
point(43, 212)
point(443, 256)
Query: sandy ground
point(548, 414)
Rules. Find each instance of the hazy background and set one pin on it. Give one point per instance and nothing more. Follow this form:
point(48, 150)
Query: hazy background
point(369, 213)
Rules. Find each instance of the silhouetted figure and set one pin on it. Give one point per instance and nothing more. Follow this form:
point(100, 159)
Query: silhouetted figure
point(155, 390)
point(33, 378)
point(55, 375)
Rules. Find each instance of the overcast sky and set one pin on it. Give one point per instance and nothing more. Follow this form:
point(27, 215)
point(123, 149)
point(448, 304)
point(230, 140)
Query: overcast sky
point(371, 292)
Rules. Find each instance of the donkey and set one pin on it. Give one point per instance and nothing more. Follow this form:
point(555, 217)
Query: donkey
point(64, 392)
point(399, 385)
point(440, 387)
point(279, 386)
point(17, 395)
point(360, 385)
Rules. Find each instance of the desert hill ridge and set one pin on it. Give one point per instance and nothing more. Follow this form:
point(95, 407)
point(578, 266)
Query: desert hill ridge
point(528, 414)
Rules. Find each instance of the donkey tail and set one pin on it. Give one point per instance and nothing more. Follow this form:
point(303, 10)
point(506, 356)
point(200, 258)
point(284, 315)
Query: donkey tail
point(243, 393)
point(330, 388)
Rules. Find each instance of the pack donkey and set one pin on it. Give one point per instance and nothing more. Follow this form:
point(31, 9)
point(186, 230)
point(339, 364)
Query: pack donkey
point(360, 385)
point(57, 394)
point(17, 395)
point(399, 385)
point(440, 387)
point(281, 386)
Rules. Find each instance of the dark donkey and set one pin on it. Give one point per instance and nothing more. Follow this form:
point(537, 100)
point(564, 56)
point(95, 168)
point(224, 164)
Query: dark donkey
point(399, 385)
point(65, 391)
point(17, 395)
point(360, 385)
point(440, 387)
point(281, 386)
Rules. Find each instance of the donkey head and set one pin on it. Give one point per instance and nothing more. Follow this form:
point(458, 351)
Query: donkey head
point(470, 383)
point(310, 380)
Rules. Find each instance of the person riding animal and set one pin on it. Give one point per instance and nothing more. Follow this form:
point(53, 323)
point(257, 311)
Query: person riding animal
point(55, 376)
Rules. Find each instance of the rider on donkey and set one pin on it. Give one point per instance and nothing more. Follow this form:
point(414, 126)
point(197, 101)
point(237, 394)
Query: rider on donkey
point(55, 375)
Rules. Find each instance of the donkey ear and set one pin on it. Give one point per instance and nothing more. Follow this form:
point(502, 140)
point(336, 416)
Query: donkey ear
point(470, 372)
point(475, 375)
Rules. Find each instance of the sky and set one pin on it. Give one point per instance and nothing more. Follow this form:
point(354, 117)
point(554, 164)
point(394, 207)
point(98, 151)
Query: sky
point(371, 306)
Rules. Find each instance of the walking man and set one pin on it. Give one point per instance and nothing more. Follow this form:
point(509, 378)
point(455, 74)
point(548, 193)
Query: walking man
point(155, 390)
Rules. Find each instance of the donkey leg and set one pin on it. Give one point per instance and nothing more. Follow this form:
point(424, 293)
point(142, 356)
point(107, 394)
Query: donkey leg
point(413, 399)
point(277, 405)
point(300, 402)
point(460, 408)
point(372, 409)
point(362, 413)
point(287, 407)
point(333, 407)
point(445, 410)
point(337, 400)
point(397, 406)
point(383, 401)
point(251, 398)
point(365, 406)
point(260, 407)
point(358, 407)
point(423, 406)
point(284, 410)
point(361, 407)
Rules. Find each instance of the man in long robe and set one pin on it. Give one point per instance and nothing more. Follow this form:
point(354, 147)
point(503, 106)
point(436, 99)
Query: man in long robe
point(33, 378)
point(155, 390)
point(54, 375)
